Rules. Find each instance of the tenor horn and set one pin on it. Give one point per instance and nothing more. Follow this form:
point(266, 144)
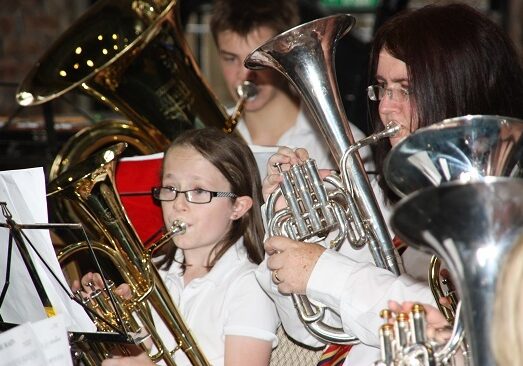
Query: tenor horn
point(90, 187)
point(472, 227)
point(305, 56)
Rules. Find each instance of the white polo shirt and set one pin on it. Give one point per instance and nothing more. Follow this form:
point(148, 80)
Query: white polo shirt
point(226, 301)
point(306, 134)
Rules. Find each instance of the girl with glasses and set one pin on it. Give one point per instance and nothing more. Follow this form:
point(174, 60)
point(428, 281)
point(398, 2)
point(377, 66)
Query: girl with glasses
point(211, 183)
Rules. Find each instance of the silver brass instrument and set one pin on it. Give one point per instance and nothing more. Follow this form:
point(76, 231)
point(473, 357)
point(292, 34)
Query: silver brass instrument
point(90, 187)
point(472, 227)
point(404, 340)
point(464, 148)
point(305, 55)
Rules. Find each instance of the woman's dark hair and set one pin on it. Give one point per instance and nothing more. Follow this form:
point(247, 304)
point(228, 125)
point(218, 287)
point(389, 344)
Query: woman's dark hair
point(234, 159)
point(458, 61)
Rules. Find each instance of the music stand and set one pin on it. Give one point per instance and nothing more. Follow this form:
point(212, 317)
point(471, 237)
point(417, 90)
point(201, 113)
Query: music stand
point(22, 242)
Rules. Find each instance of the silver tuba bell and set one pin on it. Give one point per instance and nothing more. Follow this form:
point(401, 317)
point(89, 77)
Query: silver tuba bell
point(305, 56)
point(462, 148)
point(472, 227)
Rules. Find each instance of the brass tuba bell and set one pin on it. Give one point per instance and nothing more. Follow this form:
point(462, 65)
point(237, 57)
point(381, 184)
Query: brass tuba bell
point(132, 56)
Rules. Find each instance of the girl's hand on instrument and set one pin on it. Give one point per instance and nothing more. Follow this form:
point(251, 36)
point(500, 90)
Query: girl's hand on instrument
point(291, 263)
point(92, 281)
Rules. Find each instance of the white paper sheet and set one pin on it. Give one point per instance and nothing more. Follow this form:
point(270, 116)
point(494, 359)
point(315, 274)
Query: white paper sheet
point(43, 343)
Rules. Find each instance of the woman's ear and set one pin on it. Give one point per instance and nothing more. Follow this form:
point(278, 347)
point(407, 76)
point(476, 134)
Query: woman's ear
point(241, 205)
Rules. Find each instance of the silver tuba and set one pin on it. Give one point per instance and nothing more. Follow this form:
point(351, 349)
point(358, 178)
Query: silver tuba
point(465, 148)
point(472, 227)
point(305, 56)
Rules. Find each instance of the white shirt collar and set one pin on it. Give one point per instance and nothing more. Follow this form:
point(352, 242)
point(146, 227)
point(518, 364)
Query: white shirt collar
point(235, 253)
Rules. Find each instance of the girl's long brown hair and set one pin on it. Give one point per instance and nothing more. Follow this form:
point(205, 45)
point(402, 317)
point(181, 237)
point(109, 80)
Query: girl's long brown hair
point(234, 159)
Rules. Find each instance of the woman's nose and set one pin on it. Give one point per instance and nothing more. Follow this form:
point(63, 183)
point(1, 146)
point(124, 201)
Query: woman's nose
point(388, 104)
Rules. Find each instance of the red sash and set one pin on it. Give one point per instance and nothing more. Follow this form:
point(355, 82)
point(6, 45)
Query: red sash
point(334, 355)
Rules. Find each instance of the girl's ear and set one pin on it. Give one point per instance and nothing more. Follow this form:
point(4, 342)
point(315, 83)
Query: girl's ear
point(241, 206)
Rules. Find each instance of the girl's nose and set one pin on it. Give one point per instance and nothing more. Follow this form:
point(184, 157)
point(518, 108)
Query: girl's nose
point(180, 202)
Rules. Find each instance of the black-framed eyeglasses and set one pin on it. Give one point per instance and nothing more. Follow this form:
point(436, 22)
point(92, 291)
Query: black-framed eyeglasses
point(378, 92)
point(192, 195)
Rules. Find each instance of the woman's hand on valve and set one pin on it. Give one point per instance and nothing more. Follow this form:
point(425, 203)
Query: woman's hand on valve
point(291, 263)
point(282, 160)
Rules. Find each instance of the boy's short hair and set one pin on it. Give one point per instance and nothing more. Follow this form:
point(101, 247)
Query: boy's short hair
point(242, 16)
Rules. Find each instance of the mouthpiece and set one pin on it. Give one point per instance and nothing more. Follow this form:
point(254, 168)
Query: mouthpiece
point(247, 90)
point(177, 228)
point(391, 129)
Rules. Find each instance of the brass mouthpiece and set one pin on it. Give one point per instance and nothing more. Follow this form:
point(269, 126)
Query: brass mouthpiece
point(246, 91)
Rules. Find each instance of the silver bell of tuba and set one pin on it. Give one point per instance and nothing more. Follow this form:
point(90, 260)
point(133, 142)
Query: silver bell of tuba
point(464, 149)
point(305, 56)
point(472, 227)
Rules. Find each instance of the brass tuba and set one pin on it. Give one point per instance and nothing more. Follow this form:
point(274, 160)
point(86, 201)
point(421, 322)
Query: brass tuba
point(305, 56)
point(132, 56)
point(90, 187)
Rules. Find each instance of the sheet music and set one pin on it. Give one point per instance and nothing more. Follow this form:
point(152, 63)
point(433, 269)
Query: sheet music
point(24, 192)
point(42, 343)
